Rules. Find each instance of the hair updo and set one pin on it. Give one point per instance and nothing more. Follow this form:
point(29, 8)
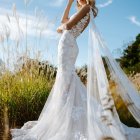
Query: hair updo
point(92, 3)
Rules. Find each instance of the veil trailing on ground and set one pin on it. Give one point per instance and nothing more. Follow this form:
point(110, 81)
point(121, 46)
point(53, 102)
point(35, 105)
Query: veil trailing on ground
point(98, 85)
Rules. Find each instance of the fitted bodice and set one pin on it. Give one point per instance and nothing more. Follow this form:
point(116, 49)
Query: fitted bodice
point(79, 27)
point(67, 48)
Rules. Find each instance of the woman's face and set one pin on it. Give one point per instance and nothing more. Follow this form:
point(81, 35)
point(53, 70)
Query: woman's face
point(82, 2)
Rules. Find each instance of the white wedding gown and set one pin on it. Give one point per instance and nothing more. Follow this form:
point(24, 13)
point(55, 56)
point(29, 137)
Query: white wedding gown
point(64, 116)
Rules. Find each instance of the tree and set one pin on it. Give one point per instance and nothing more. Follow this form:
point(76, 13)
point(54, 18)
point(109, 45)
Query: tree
point(130, 60)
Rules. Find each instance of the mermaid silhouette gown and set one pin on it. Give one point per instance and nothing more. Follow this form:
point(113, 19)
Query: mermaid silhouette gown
point(64, 116)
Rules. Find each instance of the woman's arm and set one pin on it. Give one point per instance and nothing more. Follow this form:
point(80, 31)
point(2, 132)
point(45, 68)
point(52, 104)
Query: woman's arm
point(73, 21)
point(65, 16)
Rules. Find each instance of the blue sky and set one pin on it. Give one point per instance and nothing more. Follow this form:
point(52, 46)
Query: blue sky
point(118, 21)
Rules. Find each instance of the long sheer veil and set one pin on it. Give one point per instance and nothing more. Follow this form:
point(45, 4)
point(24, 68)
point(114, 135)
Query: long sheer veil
point(98, 85)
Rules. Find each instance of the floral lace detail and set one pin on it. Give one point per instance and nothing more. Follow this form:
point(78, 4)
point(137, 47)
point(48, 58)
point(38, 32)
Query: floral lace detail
point(79, 136)
point(29, 125)
point(67, 52)
point(77, 29)
point(22, 134)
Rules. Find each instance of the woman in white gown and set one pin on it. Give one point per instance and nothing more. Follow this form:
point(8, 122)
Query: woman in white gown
point(70, 113)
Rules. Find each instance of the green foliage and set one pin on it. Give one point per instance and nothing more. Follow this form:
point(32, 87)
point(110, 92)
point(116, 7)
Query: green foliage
point(24, 95)
point(130, 60)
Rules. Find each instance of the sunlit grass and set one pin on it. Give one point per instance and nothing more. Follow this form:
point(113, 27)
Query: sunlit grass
point(23, 95)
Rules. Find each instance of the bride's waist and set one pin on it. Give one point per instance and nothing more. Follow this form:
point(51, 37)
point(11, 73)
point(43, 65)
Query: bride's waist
point(70, 33)
point(67, 38)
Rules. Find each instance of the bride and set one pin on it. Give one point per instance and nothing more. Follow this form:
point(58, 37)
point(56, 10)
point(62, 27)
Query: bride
point(74, 111)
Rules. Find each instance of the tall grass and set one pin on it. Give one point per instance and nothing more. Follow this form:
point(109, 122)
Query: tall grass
point(23, 95)
point(25, 83)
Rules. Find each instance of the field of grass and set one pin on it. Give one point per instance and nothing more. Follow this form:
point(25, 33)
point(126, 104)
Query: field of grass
point(22, 97)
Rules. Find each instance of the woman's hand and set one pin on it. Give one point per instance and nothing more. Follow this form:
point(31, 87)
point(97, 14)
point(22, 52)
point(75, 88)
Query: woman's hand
point(60, 29)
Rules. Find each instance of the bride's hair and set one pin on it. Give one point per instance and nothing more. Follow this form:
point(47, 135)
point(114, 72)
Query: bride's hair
point(92, 3)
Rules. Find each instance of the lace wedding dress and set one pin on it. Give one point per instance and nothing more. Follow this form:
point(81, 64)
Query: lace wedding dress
point(65, 115)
